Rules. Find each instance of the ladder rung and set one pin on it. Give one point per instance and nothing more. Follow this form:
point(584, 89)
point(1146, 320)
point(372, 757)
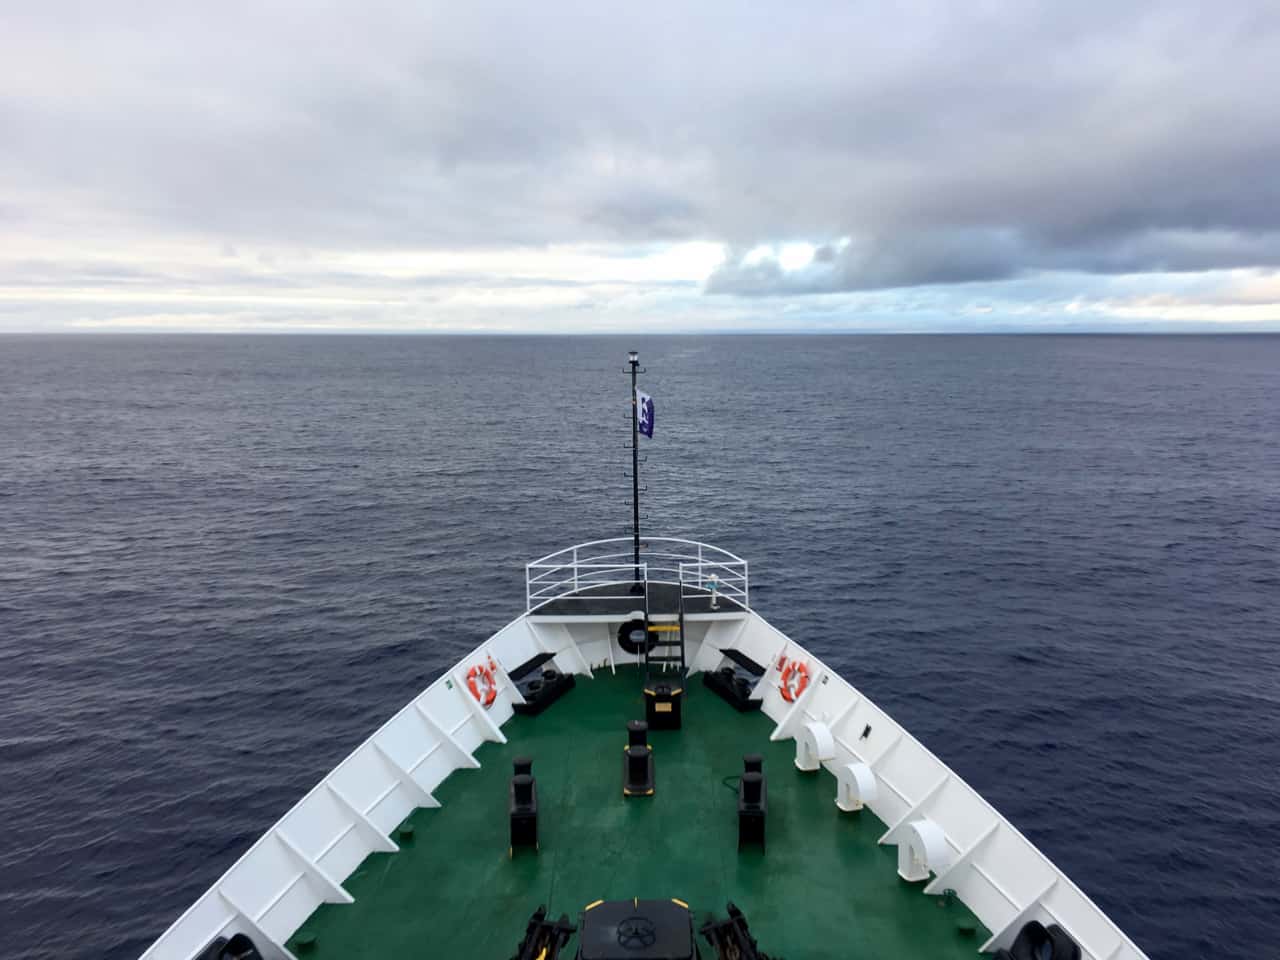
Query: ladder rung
point(665, 659)
point(664, 628)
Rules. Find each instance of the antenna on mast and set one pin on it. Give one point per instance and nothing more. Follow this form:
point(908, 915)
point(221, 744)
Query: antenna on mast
point(633, 359)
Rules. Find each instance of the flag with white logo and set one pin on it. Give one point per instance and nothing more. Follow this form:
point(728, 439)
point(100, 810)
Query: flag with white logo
point(644, 413)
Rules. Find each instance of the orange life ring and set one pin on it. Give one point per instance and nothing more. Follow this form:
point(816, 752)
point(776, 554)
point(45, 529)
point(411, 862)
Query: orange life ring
point(482, 685)
point(797, 672)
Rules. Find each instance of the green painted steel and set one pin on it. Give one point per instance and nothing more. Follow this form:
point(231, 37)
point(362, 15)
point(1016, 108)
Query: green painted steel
point(823, 889)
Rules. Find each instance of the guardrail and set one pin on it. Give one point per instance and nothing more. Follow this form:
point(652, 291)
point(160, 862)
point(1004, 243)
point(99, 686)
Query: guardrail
point(589, 570)
point(987, 863)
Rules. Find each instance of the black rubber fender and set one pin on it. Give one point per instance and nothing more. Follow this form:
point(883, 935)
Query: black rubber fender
point(1031, 938)
point(628, 644)
point(1034, 938)
point(1064, 948)
point(240, 947)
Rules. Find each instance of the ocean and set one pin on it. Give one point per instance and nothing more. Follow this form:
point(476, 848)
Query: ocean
point(225, 560)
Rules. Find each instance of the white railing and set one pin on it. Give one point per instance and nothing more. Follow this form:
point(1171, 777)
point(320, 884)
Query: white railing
point(697, 568)
point(700, 577)
point(306, 857)
point(989, 865)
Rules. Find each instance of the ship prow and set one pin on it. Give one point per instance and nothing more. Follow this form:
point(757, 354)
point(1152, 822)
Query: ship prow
point(639, 762)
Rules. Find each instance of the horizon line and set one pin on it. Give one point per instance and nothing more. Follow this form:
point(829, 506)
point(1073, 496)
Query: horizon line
point(355, 332)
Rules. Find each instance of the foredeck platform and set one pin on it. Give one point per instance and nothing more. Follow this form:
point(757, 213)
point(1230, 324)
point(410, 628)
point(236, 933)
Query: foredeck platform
point(823, 889)
point(613, 601)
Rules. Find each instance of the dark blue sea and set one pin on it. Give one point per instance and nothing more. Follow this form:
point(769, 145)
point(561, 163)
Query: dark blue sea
point(225, 560)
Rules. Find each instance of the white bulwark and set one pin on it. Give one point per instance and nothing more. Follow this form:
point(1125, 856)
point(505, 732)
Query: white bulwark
point(945, 832)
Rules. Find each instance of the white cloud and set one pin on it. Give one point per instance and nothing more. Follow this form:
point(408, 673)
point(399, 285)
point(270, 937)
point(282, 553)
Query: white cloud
point(435, 166)
point(794, 256)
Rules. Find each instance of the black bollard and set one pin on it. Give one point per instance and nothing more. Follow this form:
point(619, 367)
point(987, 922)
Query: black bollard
point(637, 733)
point(752, 802)
point(637, 761)
point(524, 811)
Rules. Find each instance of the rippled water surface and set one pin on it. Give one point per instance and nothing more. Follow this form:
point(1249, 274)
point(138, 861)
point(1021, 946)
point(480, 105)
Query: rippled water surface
point(223, 561)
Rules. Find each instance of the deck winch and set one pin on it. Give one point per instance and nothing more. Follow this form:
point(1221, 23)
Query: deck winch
point(543, 938)
point(731, 939)
point(636, 930)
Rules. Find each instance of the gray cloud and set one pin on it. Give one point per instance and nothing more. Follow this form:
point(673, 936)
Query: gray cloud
point(948, 143)
point(933, 256)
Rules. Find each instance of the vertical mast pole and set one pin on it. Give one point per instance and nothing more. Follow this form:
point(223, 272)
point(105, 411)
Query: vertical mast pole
point(634, 359)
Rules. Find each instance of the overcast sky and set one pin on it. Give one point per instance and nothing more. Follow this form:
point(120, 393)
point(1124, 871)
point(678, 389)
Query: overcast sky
point(810, 165)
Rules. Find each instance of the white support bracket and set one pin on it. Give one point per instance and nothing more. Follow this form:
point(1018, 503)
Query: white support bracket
point(709, 654)
point(922, 848)
point(571, 647)
point(608, 645)
point(505, 680)
point(814, 746)
point(491, 731)
point(855, 786)
point(1018, 918)
point(375, 837)
point(314, 872)
point(886, 751)
point(261, 938)
point(446, 737)
point(773, 663)
point(416, 790)
point(938, 883)
point(737, 634)
point(833, 723)
point(706, 658)
point(915, 808)
point(783, 729)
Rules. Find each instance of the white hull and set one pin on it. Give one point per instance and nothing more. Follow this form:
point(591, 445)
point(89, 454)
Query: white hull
point(971, 849)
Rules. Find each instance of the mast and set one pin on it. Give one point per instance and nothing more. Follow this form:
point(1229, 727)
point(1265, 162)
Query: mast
point(633, 358)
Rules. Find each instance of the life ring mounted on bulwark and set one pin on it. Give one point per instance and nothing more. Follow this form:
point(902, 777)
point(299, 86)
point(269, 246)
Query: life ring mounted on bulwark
point(481, 683)
point(795, 677)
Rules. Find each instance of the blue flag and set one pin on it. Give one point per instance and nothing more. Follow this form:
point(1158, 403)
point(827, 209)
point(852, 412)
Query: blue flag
point(644, 413)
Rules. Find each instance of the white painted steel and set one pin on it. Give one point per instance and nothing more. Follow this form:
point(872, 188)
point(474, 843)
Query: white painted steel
point(922, 850)
point(856, 786)
point(611, 563)
point(996, 871)
point(814, 746)
point(300, 862)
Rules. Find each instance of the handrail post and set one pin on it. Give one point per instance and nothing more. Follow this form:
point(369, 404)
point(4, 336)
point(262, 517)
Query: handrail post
point(575, 569)
point(528, 589)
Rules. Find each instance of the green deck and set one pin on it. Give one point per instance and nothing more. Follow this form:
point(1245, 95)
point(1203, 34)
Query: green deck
point(824, 888)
